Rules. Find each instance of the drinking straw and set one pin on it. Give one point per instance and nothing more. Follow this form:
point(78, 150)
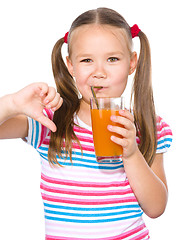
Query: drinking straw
point(94, 96)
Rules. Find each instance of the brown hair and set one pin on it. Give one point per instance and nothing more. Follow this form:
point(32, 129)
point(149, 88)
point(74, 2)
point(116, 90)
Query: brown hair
point(141, 97)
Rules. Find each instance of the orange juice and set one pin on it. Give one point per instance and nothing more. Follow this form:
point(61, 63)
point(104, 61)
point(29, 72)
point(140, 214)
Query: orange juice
point(101, 135)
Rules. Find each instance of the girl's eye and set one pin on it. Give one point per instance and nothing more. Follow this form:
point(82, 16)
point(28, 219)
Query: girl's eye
point(113, 59)
point(87, 60)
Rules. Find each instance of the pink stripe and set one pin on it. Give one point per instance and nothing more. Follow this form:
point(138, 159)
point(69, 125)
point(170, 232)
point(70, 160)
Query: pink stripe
point(43, 135)
point(119, 237)
point(75, 145)
point(49, 113)
point(87, 201)
point(85, 139)
point(84, 193)
point(46, 141)
point(161, 124)
point(132, 232)
point(164, 133)
point(141, 236)
point(84, 147)
point(81, 130)
point(163, 128)
point(84, 184)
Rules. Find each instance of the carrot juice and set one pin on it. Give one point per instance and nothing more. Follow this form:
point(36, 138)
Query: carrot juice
point(104, 147)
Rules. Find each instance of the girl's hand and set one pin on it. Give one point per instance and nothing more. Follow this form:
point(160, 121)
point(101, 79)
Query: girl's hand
point(127, 132)
point(32, 100)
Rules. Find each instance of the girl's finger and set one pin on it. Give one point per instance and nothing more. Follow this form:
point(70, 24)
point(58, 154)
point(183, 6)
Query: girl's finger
point(119, 130)
point(51, 94)
point(120, 141)
point(128, 124)
point(57, 105)
point(41, 88)
point(125, 113)
point(54, 102)
point(47, 122)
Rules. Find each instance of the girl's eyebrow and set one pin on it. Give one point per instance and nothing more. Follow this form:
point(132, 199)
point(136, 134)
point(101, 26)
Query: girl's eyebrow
point(107, 54)
point(115, 53)
point(83, 55)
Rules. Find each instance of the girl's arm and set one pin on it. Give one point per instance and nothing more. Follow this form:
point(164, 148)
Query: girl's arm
point(148, 184)
point(29, 101)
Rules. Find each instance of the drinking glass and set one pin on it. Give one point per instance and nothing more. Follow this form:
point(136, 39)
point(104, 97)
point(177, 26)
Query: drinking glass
point(101, 111)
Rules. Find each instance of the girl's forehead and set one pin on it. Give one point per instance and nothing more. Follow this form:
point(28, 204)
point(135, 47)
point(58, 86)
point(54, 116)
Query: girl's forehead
point(86, 32)
point(97, 29)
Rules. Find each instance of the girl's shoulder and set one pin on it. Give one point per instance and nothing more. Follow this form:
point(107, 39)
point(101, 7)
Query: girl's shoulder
point(164, 136)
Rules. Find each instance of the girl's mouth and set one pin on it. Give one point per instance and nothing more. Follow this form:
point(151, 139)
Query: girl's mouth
point(97, 88)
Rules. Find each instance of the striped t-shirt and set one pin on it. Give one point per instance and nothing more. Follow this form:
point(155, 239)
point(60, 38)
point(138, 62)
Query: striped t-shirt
point(86, 199)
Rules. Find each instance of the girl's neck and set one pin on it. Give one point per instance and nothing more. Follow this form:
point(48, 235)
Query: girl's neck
point(84, 113)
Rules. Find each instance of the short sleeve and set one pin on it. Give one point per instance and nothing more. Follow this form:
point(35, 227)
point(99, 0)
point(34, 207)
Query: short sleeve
point(164, 136)
point(37, 133)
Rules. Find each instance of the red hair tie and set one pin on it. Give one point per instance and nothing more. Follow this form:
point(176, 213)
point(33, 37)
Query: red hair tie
point(66, 37)
point(135, 30)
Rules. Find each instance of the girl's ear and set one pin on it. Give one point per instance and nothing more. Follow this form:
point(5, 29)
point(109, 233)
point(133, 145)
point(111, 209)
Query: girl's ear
point(133, 63)
point(69, 66)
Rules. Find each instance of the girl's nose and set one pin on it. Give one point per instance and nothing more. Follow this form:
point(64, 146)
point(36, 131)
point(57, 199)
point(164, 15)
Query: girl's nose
point(99, 75)
point(99, 72)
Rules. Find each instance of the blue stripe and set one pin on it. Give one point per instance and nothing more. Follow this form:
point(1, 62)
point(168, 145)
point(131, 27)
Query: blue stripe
point(85, 154)
point(91, 209)
point(164, 140)
point(80, 163)
point(75, 153)
point(37, 134)
point(164, 143)
point(92, 214)
point(164, 147)
point(32, 121)
point(94, 220)
point(82, 159)
point(74, 156)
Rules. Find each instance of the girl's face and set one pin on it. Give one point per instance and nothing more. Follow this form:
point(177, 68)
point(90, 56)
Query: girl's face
point(99, 57)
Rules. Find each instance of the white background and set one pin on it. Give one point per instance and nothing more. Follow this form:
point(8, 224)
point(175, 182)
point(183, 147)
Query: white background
point(28, 31)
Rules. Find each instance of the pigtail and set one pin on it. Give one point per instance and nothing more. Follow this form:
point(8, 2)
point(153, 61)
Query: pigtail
point(63, 117)
point(144, 109)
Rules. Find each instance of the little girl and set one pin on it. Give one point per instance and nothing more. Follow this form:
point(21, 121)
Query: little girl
point(83, 198)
